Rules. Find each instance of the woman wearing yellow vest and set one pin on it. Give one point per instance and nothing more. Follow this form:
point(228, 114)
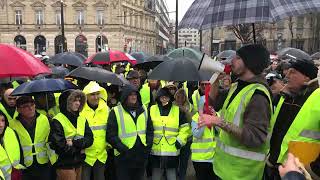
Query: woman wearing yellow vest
point(130, 133)
point(96, 112)
point(171, 131)
point(245, 120)
point(10, 153)
point(33, 131)
point(70, 135)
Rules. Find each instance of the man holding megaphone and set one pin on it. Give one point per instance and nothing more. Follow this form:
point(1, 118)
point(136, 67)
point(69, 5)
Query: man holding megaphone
point(244, 119)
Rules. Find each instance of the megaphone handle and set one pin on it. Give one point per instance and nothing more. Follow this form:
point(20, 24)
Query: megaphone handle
point(214, 77)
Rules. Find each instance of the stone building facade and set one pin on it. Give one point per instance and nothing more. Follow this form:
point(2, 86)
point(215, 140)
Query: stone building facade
point(90, 25)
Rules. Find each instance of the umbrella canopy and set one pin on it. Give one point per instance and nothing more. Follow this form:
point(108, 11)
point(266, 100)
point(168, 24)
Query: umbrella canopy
point(315, 56)
point(186, 52)
point(152, 62)
point(59, 72)
point(70, 58)
point(109, 57)
point(233, 12)
point(179, 69)
point(139, 56)
point(226, 55)
point(293, 53)
point(15, 62)
point(98, 74)
point(43, 86)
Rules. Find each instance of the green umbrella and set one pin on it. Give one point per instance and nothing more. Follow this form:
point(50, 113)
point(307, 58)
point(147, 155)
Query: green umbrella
point(186, 52)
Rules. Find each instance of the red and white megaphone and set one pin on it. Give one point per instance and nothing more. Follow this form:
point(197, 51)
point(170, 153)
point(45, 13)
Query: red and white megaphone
point(214, 67)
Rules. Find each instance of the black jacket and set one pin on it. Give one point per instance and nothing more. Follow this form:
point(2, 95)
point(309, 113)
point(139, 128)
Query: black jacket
point(138, 154)
point(69, 156)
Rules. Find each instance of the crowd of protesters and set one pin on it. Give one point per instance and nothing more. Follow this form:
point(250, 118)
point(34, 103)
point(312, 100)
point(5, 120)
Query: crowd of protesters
point(152, 128)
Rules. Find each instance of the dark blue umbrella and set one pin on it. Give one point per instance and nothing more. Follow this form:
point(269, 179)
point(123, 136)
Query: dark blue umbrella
point(70, 58)
point(43, 86)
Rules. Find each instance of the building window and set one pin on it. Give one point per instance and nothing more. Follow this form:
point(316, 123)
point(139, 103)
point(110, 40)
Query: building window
point(80, 17)
point(100, 17)
point(20, 42)
point(125, 18)
point(39, 17)
point(58, 17)
point(18, 17)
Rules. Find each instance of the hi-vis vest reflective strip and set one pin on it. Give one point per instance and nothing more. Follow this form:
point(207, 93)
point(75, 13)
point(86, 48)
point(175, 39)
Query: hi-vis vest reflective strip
point(239, 159)
point(202, 149)
point(196, 99)
point(167, 132)
point(128, 130)
point(97, 120)
point(42, 130)
point(10, 119)
point(9, 153)
point(306, 125)
point(70, 132)
point(145, 94)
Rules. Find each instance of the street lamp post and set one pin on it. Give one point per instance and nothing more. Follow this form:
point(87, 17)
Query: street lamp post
point(62, 26)
point(177, 23)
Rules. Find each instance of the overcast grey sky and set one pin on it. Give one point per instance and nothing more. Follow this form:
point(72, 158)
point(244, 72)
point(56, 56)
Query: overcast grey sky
point(183, 7)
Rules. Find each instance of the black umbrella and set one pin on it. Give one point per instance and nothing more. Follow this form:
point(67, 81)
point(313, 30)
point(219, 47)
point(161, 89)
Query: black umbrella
point(180, 69)
point(152, 62)
point(43, 86)
point(293, 54)
point(59, 72)
point(315, 56)
point(97, 74)
point(70, 58)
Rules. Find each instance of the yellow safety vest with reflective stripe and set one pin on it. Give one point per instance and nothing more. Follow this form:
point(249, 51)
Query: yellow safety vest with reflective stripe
point(167, 131)
point(10, 119)
point(202, 149)
point(306, 125)
point(97, 120)
point(196, 99)
point(128, 130)
point(9, 153)
point(39, 144)
point(233, 160)
point(145, 94)
point(70, 132)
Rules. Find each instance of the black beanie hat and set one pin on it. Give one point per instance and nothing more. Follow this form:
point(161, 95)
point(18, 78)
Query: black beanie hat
point(255, 56)
point(306, 67)
point(24, 100)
